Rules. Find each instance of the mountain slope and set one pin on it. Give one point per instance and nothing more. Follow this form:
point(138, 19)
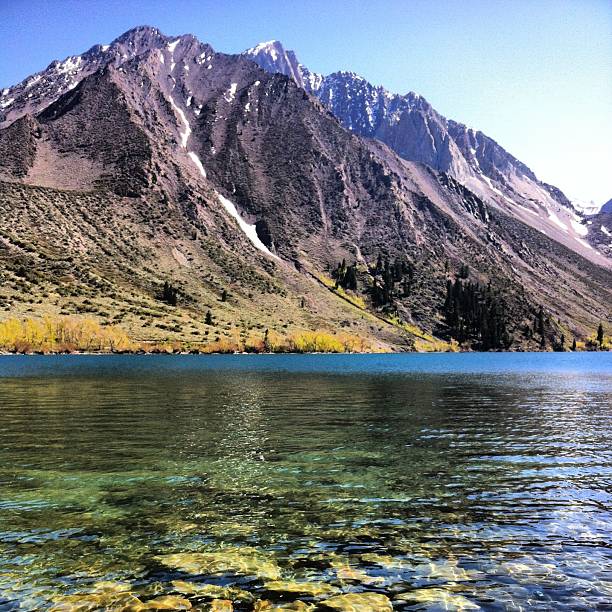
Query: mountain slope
point(181, 164)
point(417, 132)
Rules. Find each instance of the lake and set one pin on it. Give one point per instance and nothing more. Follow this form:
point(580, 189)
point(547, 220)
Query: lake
point(426, 482)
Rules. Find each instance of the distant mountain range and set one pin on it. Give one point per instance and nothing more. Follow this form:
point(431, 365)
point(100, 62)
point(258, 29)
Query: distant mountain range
point(278, 199)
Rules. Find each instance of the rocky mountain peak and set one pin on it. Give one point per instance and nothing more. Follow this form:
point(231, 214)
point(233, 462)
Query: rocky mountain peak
point(411, 127)
point(273, 57)
point(39, 90)
point(144, 36)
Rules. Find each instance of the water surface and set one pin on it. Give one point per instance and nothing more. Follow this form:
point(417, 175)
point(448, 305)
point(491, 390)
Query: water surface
point(440, 481)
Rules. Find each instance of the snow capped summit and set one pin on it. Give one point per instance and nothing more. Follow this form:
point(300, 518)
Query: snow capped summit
point(273, 57)
point(273, 47)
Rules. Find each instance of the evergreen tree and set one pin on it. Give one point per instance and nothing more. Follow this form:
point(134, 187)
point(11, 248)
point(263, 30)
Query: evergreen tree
point(208, 320)
point(574, 345)
point(473, 312)
point(169, 294)
point(224, 296)
point(600, 335)
point(540, 323)
point(346, 277)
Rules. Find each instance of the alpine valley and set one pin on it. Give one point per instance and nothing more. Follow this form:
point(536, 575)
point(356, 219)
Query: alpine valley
point(193, 198)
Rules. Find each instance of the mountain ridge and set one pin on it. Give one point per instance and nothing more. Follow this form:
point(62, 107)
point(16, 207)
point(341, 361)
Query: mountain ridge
point(417, 132)
point(208, 158)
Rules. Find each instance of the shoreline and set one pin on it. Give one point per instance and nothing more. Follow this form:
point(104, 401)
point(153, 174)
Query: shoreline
point(195, 353)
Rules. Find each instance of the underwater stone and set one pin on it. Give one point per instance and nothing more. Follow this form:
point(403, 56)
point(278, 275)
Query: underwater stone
point(441, 597)
point(211, 591)
point(221, 605)
point(166, 602)
point(240, 561)
point(264, 605)
point(359, 602)
point(313, 589)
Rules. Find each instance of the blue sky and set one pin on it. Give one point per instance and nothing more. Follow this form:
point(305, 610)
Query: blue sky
point(535, 75)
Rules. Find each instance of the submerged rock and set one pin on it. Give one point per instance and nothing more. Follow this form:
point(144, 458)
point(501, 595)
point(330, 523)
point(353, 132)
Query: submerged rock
point(221, 605)
point(240, 561)
point(106, 600)
point(358, 602)
point(312, 589)
point(165, 602)
point(212, 591)
point(350, 574)
point(384, 561)
point(111, 586)
point(440, 598)
point(264, 605)
point(445, 570)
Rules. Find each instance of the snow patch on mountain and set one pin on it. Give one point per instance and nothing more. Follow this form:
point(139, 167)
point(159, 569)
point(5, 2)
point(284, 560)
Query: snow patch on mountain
point(197, 162)
point(586, 208)
point(231, 92)
point(555, 219)
point(249, 230)
point(580, 229)
point(187, 131)
point(270, 47)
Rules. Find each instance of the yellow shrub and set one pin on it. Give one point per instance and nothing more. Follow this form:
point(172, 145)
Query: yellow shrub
point(315, 342)
point(435, 346)
point(53, 335)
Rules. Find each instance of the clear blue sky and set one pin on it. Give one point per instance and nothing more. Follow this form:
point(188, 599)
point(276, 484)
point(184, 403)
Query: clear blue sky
point(536, 75)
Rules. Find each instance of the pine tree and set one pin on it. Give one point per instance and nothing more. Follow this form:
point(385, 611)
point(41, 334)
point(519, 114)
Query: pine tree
point(224, 296)
point(600, 335)
point(208, 319)
point(574, 345)
point(540, 323)
point(169, 294)
point(350, 278)
point(473, 312)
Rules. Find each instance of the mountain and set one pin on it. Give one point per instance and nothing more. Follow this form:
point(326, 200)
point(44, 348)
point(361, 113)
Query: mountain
point(410, 126)
point(157, 164)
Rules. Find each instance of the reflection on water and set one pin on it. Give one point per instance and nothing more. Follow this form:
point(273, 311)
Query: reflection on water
point(436, 484)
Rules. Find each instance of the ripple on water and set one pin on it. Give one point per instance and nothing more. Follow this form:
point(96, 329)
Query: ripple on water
point(195, 483)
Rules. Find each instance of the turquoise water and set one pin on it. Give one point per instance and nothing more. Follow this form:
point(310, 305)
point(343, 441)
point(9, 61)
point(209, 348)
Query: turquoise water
point(449, 481)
